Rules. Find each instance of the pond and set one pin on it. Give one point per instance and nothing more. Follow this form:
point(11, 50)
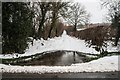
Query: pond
point(58, 58)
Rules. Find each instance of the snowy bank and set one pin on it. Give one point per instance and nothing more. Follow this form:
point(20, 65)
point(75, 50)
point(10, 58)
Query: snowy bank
point(81, 29)
point(105, 64)
point(64, 42)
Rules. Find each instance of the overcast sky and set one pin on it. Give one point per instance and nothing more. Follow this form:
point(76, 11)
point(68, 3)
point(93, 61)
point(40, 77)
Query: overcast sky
point(98, 14)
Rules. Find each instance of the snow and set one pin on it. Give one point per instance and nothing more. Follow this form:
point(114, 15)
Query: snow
point(105, 64)
point(112, 48)
point(64, 42)
point(81, 29)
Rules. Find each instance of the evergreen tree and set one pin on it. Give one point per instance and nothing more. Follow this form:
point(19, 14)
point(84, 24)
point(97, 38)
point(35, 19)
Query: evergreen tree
point(16, 25)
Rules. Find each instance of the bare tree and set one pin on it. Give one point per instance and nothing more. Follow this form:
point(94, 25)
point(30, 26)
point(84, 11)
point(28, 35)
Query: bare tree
point(57, 10)
point(77, 15)
point(34, 32)
point(44, 8)
point(48, 11)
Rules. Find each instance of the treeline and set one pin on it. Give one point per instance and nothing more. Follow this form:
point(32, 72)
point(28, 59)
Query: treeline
point(49, 15)
point(21, 20)
point(97, 36)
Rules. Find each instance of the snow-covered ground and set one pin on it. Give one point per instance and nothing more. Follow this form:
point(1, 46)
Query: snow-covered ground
point(112, 48)
point(105, 64)
point(81, 29)
point(63, 42)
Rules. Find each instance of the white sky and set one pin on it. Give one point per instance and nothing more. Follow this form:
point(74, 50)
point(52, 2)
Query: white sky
point(98, 14)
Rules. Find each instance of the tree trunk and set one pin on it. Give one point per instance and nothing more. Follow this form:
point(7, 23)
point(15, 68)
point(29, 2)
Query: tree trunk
point(75, 27)
point(117, 36)
point(53, 27)
point(41, 24)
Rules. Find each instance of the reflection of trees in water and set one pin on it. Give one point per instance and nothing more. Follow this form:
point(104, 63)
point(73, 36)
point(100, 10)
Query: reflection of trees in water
point(47, 59)
point(58, 58)
point(54, 57)
point(74, 57)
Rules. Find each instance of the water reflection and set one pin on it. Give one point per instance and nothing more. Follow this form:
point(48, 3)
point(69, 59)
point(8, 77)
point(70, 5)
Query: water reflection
point(69, 58)
point(58, 58)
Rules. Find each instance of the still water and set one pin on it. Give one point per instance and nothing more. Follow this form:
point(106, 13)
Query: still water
point(58, 58)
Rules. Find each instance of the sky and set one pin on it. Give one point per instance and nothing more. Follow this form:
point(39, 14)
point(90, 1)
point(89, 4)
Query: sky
point(95, 9)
